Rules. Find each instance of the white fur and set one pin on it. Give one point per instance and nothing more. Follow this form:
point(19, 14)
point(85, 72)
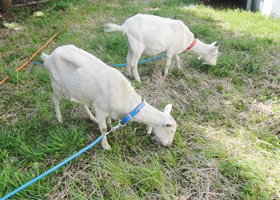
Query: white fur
point(153, 35)
point(85, 79)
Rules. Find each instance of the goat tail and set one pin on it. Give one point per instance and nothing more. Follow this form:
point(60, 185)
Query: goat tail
point(112, 27)
point(44, 56)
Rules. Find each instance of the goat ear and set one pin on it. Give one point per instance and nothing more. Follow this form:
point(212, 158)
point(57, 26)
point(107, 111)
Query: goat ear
point(213, 43)
point(213, 48)
point(167, 108)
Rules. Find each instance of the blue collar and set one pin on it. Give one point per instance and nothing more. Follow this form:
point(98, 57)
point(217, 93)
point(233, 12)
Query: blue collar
point(136, 110)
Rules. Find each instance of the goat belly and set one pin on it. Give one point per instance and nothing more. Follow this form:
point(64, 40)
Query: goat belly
point(77, 86)
point(154, 50)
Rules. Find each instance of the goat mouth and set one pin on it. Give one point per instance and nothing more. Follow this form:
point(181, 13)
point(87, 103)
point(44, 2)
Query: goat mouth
point(156, 140)
point(167, 146)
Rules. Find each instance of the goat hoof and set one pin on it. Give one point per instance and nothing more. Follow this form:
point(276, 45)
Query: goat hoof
point(106, 146)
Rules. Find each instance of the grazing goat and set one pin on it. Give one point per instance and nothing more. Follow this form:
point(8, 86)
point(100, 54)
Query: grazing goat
point(153, 35)
point(85, 79)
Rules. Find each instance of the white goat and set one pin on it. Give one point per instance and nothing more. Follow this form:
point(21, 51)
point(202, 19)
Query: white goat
point(88, 81)
point(153, 35)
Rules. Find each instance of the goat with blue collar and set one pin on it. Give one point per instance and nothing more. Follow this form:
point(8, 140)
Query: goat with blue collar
point(88, 81)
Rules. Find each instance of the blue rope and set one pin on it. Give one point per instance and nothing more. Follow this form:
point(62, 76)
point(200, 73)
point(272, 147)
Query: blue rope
point(124, 120)
point(36, 63)
point(52, 169)
point(151, 59)
point(118, 65)
point(76, 154)
point(139, 62)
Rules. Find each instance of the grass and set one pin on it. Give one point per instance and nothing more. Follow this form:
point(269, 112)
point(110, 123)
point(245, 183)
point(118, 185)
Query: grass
point(227, 142)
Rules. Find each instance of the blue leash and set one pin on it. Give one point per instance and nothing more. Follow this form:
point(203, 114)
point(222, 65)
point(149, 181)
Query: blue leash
point(126, 119)
point(139, 62)
point(36, 63)
point(117, 65)
point(52, 169)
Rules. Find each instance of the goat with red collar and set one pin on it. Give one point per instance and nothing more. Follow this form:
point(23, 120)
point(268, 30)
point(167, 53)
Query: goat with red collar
point(153, 35)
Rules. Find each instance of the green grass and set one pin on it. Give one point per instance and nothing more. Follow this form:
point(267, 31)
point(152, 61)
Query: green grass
point(227, 142)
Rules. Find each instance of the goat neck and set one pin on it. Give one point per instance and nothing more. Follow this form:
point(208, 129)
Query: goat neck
point(200, 48)
point(150, 115)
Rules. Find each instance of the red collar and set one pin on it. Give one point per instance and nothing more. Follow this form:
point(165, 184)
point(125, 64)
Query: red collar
point(191, 45)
